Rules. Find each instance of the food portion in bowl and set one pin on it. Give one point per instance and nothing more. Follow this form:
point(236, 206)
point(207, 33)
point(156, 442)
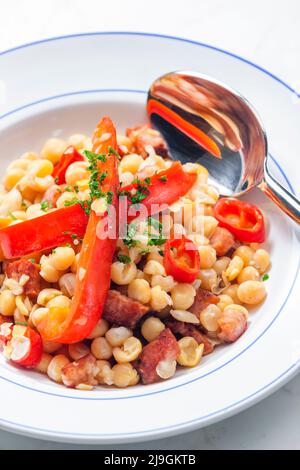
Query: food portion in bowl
point(120, 265)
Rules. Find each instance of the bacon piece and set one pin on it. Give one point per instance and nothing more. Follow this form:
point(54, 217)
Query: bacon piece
point(121, 310)
point(82, 371)
point(202, 300)
point(232, 324)
point(145, 135)
point(15, 270)
point(222, 241)
point(163, 348)
point(187, 329)
point(4, 319)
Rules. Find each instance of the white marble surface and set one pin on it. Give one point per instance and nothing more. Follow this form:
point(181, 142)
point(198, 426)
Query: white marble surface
point(264, 31)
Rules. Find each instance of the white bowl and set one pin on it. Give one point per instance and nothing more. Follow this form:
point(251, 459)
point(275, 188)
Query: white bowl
point(64, 85)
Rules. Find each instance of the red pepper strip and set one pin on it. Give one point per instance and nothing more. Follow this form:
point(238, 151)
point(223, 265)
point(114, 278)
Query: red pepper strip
point(93, 275)
point(165, 187)
point(181, 259)
point(44, 232)
point(155, 107)
point(27, 348)
point(241, 218)
point(69, 156)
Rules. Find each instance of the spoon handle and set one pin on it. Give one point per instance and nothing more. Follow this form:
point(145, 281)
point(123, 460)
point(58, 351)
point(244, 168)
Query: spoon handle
point(284, 199)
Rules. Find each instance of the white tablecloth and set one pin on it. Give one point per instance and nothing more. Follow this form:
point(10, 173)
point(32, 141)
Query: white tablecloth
point(264, 31)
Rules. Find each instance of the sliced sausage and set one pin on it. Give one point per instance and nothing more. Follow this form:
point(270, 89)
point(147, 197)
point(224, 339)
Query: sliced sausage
point(202, 299)
point(232, 325)
point(15, 270)
point(163, 348)
point(123, 311)
point(187, 329)
point(82, 371)
point(222, 241)
point(142, 136)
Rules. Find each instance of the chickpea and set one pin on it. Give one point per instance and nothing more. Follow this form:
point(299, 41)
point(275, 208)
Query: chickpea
point(151, 328)
point(154, 255)
point(159, 298)
point(13, 177)
point(251, 292)
point(41, 168)
point(237, 308)
point(249, 273)
point(100, 329)
point(43, 365)
point(131, 163)
point(123, 274)
point(234, 268)
point(224, 301)
point(49, 273)
point(124, 141)
point(60, 301)
point(77, 171)
point(209, 317)
point(77, 141)
point(46, 295)
point(53, 149)
point(165, 369)
point(78, 350)
point(7, 303)
point(232, 292)
point(221, 265)
point(101, 348)
point(208, 278)
point(50, 347)
point(124, 375)
point(62, 258)
point(208, 256)
point(117, 336)
point(67, 284)
point(204, 225)
point(190, 352)
point(55, 367)
point(126, 178)
point(167, 283)
point(129, 351)
point(139, 289)
point(105, 374)
point(245, 253)
point(67, 196)
point(183, 296)
point(261, 260)
point(153, 267)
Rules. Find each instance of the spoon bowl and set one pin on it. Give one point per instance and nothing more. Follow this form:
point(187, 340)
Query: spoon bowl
point(205, 121)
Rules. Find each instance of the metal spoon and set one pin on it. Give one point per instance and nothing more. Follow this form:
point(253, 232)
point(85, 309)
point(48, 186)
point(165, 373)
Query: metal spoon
point(187, 106)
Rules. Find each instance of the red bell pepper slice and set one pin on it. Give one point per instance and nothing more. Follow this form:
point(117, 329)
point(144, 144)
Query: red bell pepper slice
point(27, 348)
point(155, 107)
point(165, 187)
point(181, 259)
point(44, 232)
point(69, 156)
point(243, 219)
point(93, 275)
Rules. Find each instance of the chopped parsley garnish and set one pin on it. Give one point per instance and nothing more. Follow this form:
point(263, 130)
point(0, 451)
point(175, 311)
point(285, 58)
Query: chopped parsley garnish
point(74, 235)
point(12, 216)
point(71, 202)
point(265, 277)
point(45, 205)
point(68, 245)
point(131, 231)
point(32, 260)
point(163, 178)
point(66, 232)
point(22, 323)
point(76, 188)
point(93, 157)
point(145, 251)
point(156, 241)
point(124, 258)
point(161, 252)
point(68, 189)
point(56, 179)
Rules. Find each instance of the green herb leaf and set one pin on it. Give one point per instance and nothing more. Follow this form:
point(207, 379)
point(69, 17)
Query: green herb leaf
point(163, 178)
point(45, 205)
point(124, 258)
point(12, 216)
point(265, 277)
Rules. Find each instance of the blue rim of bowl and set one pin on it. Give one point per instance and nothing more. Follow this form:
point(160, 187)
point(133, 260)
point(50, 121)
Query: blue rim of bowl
point(229, 407)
